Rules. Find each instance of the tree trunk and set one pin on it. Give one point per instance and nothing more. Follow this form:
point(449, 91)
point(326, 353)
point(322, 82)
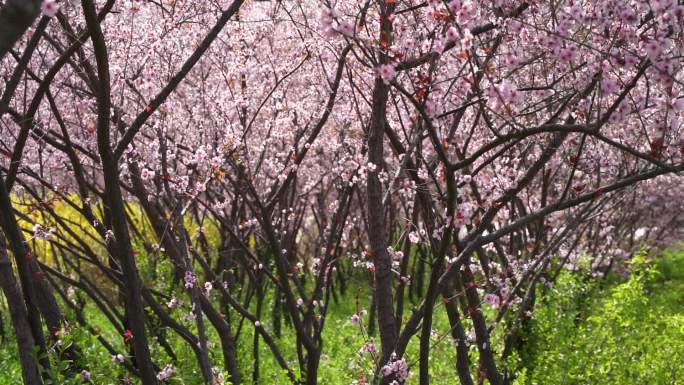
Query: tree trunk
point(19, 316)
point(384, 302)
point(114, 203)
point(16, 16)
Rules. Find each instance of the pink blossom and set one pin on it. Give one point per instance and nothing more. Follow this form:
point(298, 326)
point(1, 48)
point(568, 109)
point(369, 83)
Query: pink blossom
point(41, 232)
point(190, 279)
point(432, 107)
point(369, 347)
point(609, 86)
point(452, 34)
point(568, 54)
point(414, 237)
point(49, 8)
point(86, 374)
point(146, 174)
point(386, 72)
point(118, 358)
point(327, 19)
point(504, 292)
point(166, 373)
point(653, 49)
point(174, 303)
point(438, 46)
point(455, 5)
point(346, 29)
point(492, 299)
point(466, 40)
point(397, 367)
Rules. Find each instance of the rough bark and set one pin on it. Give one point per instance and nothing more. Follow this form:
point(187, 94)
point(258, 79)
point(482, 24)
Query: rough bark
point(376, 224)
point(115, 205)
point(16, 16)
point(19, 316)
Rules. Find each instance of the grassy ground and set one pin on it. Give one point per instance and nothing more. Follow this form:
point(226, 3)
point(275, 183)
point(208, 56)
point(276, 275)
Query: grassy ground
point(622, 333)
point(582, 332)
point(341, 362)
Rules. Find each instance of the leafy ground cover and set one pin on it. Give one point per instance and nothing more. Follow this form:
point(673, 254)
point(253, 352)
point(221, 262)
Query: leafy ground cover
point(638, 321)
point(629, 332)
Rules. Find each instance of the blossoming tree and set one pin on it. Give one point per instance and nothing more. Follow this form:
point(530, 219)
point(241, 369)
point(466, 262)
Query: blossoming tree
point(453, 154)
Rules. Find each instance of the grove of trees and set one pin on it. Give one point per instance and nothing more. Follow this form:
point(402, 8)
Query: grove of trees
point(207, 178)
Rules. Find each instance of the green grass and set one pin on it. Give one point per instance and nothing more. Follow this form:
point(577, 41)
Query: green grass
point(627, 333)
point(582, 332)
point(341, 362)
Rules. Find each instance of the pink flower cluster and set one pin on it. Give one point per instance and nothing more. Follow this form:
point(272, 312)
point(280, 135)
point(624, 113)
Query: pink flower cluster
point(190, 279)
point(493, 300)
point(386, 72)
point(331, 25)
point(166, 373)
point(396, 367)
point(49, 8)
point(506, 97)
